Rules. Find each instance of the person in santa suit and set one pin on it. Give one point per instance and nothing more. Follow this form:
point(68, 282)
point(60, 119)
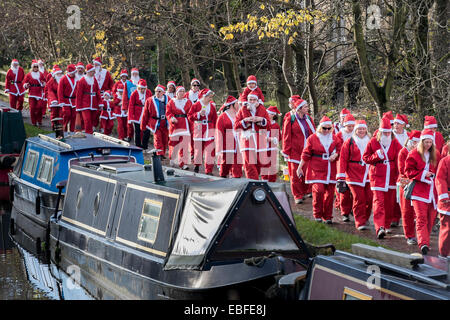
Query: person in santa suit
point(203, 117)
point(56, 110)
point(421, 166)
point(120, 114)
point(192, 95)
point(400, 133)
point(227, 141)
point(47, 76)
point(354, 172)
point(445, 148)
point(273, 139)
point(179, 128)
point(407, 210)
point(155, 119)
point(105, 82)
point(382, 155)
point(107, 113)
point(171, 87)
point(252, 123)
point(34, 81)
point(252, 88)
point(442, 183)
point(338, 126)
point(136, 111)
point(67, 98)
point(14, 85)
point(88, 98)
point(79, 71)
point(431, 123)
point(388, 115)
point(297, 127)
point(129, 87)
point(318, 165)
point(344, 195)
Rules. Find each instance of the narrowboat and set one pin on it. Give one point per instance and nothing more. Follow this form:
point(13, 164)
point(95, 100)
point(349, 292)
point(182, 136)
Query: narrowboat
point(12, 137)
point(151, 232)
point(43, 164)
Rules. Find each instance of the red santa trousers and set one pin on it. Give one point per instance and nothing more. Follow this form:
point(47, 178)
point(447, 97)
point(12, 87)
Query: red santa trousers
point(69, 118)
point(252, 164)
point(87, 116)
point(383, 202)
point(230, 163)
point(397, 213)
point(425, 216)
point(107, 125)
point(271, 167)
point(362, 203)
point(161, 140)
point(298, 186)
point(444, 235)
point(16, 102)
point(43, 106)
point(95, 118)
point(179, 149)
point(56, 112)
point(35, 111)
point(345, 202)
point(323, 195)
point(130, 130)
point(122, 127)
point(205, 150)
point(408, 216)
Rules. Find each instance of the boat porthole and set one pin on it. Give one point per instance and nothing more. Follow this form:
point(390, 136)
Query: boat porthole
point(79, 196)
point(96, 203)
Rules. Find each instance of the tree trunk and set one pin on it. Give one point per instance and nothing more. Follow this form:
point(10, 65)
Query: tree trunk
point(161, 62)
point(310, 65)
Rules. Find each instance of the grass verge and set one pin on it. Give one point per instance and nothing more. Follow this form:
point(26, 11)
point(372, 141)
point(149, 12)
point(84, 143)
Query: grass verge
point(32, 131)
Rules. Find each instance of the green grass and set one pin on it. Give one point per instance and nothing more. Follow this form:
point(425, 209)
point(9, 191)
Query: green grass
point(32, 131)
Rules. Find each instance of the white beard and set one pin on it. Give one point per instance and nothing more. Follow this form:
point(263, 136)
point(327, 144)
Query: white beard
point(15, 70)
point(252, 107)
point(402, 137)
point(78, 76)
point(346, 135)
point(36, 75)
point(361, 143)
point(58, 77)
point(180, 103)
point(42, 69)
point(385, 140)
point(142, 97)
point(325, 140)
point(98, 69)
point(135, 79)
point(89, 80)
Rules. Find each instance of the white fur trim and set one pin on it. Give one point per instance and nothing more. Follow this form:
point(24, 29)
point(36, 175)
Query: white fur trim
point(380, 154)
point(443, 196)
point(430, 126)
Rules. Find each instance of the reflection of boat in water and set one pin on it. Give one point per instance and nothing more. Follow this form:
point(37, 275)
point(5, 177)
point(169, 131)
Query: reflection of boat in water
point(44, 162)
point(137, 234)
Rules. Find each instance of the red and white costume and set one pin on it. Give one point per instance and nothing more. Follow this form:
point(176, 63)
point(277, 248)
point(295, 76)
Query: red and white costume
point(256, 90)
point(56, 110)
point(47, 77)
point(273, 138)
point(67, 98)
point(431, 123)
point(442, 182)
point(191, 94)
point(120, 114)
point(34, 81)
point(294, 134)
point(107, 113)
point(337, 125)
point(14, 85)
point(136, 105)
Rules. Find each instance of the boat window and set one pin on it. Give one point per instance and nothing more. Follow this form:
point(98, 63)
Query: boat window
point(31, 163)
point(46, 170)
point(351, 294)
point(148, 225)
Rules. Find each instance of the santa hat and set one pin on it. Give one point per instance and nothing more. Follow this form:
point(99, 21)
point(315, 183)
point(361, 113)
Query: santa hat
point(292, 98)
point(242, 101)
point(385, 125)
point(71, 69)
point(80, 65)
point(56, 70)
point(160, 87)
point(360, 124)
point(430, 122)
point(14, 61)
point(40, 61)
point(179, 88)
point(171, 83)
point(135, 70)
point(344, 112)
point(97, 61)
point(107, 93)
point(299, 103)
point(251, 95)
point(90, 67)
point(389, 115)
point(124, 72)
point(205, 92)
point(142, 83)
point(325, 121)
point(230, 100)
point(402, 119)
point(427, 134)
point(195, 81)
point(34, 63)
point(273, 110)
point(251, 79)
point(349, 120)
point(414, 135)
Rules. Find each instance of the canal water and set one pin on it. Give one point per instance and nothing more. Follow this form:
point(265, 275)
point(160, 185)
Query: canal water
point(24, 276)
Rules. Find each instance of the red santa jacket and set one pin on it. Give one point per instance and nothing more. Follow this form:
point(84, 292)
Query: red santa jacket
point(136, 106)
point(294, 136)
point(226, 137)
point(444, 152)
point(47, 77)
point(52, 92)
point(108, 110)
point(439, 141)
point(117, 90)
point(67, 92)
point(253, 136)
point(203, 126)
point(274, 132)
point(257, 91)
point(36, 86)
point(152, 118)
point(179, 110)
point(401, 163)
point(88, 96)
point(416, 169)
point(351, 166)
point(14, 82)
point(104, 80)
point(442, 182)
point(319, 169)
point(383, 172)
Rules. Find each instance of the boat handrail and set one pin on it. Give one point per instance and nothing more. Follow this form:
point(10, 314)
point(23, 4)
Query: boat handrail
point(104, 137)
point(54, 141)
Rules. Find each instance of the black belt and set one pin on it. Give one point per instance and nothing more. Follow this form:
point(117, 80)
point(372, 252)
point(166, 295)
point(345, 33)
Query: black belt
point(12, 81)
point(383, 161)
point(203, 121)
point(67, 97)
point(321, 156)
point(180, 116)
point(160, 118)
point(90, 93)
point(358, 162)
point(35, 85)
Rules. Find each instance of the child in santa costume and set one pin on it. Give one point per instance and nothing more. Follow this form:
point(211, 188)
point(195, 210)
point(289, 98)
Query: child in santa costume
point(229, 156)
point(338, 126)
point(129, 87)
point(407, 210)
point(297, 127)
point(382, 155)
point(56, 110)
point(179, 128)
point(442, 182)
point(34, 81)
point(107, 113)
point(252, 88)
point(192, 95)
point(154, 119)
point(88, 98)
point(318, 165)
point(171, 88)
point(431, 123)
point(14, 85)
point(344, 198)
point(355, 172)
point(105, 82)
point(67, 98)
point(203, 116)
point(120, 114)
point(269, 173)
point(136, 112)
point(421, 166)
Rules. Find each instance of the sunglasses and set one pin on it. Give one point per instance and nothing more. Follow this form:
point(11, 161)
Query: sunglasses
point(326, 128)
point(196, 85)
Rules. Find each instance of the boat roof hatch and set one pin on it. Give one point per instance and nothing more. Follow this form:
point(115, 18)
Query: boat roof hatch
point(12, 131)
point(122, 167)
point(228, 219)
